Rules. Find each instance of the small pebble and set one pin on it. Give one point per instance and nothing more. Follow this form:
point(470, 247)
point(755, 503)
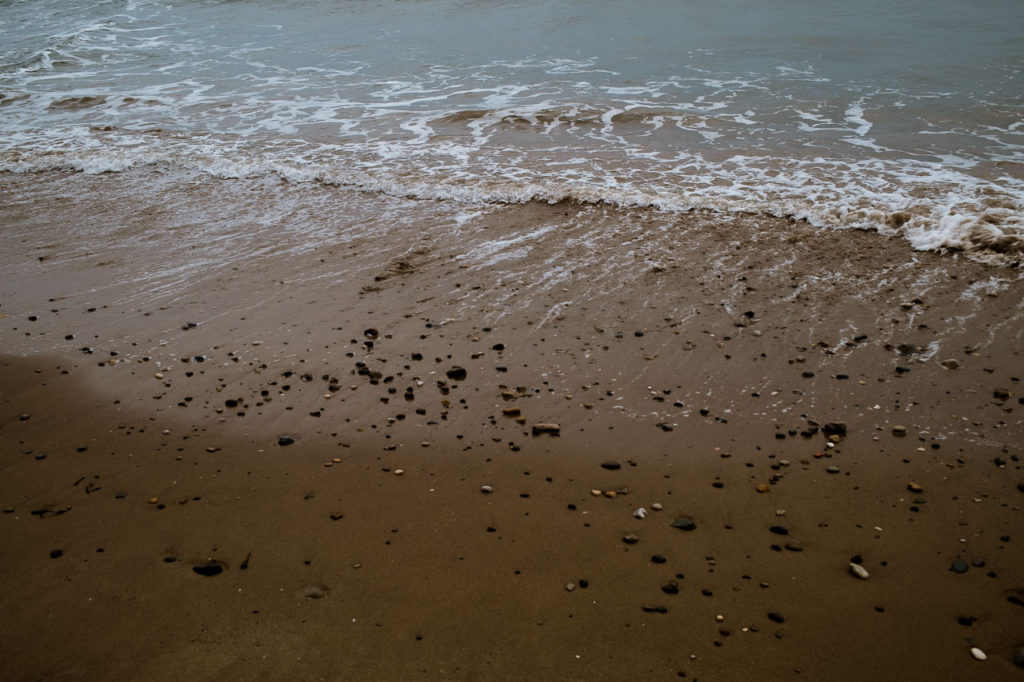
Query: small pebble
point(859, 571)
point(399, 472)
point(832, 469)
point(639, 513)
point(978, 654)
point(684, 523)
point(486, 489)
point(657, 506)
point(630, 539)
point(959, 566)
point(314, 592)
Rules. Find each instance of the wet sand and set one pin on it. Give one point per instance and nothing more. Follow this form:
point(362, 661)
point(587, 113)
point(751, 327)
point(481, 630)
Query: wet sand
point(321, 431)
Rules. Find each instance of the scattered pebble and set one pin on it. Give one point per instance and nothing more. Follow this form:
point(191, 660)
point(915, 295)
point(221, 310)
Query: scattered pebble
point(553, 429)
point(639, 513)
point(960, 566)
point(832, 469)
point(657, 506)
point(611, 465)
point(314, 592)
point(978, 654)
point(630, 539)
point(486, 489)
point(209, 569)
point(859, 571)
point(684, 523)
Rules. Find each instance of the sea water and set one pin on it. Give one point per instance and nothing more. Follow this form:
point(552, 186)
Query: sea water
point(906, 118)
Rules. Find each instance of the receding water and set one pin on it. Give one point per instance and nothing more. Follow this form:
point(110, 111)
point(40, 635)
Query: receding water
point(900, 117)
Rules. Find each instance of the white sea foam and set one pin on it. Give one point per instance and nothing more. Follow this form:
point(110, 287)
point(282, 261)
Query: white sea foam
point(103, 88)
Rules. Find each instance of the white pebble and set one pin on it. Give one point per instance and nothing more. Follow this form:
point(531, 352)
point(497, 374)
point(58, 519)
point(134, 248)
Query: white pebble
point(859, 571)
point(978, 654)
point(657, 506)
point(486, 489)
point(640, 513)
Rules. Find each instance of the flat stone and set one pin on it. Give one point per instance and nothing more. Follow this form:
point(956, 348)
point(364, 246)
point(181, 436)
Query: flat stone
point(553, 429)
point(776, 617)
point(611, 465)
point(684, 523)
point(832, 469)
point(959, 566)
point(978, 654)
point(314, 592)
point(899, 431)
point(630, 539)
point(285, 440)
point(779, 530)
point(794, 546)
point(915, 488)
point(486, 489)
point(651, 608)
point(457, 373)
point(209, 569)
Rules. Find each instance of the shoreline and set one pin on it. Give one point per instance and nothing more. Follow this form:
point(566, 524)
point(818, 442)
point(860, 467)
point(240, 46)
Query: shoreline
point(634, 339)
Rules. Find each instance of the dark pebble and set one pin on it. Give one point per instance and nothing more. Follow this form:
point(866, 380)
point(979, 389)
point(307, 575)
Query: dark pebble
point(649, 608)
point(776, 617)
point(611, 466)
point(658, 559)
point(285, 440)
point(684, 523)
point(456, 373)
point(671, 588)
point(959, 566)
point(779, 530)
point(57, 553)
point(208, 569)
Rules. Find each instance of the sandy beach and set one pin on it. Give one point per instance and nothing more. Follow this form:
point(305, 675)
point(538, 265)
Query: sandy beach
point(403, 457)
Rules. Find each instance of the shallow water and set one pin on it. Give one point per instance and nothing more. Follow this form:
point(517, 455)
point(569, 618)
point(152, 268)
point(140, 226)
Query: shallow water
point(906, 120)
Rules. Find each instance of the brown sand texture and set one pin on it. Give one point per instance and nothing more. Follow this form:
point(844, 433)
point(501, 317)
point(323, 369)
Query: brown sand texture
point(635, 448)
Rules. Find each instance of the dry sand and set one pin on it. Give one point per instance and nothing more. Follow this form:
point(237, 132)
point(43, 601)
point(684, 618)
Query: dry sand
point(140, 442)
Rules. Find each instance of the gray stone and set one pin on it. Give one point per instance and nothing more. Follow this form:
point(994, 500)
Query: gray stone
point(684, 523)
point(959, 566)
point(314, 592)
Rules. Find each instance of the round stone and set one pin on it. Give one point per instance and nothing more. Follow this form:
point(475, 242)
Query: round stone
point(959, 566)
